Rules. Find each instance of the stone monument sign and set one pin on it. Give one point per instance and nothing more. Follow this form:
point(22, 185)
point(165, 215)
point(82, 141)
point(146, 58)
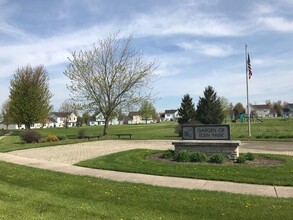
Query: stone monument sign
point(206, 132)
point(208, 139)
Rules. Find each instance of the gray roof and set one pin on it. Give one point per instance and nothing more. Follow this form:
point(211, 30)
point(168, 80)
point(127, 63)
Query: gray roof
point(171, 111)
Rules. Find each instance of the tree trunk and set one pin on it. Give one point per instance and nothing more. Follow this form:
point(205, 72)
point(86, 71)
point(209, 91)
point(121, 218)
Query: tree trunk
point(105, 133)
point(28, 126)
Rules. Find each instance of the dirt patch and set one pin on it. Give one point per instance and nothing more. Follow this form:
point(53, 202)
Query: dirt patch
point(259, 161)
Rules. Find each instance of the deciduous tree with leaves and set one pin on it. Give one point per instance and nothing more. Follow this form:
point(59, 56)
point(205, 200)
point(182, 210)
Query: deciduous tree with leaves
point(238, 109)
point(147, 111)
point(30, 95)
point(6, 118)
point(110, 76)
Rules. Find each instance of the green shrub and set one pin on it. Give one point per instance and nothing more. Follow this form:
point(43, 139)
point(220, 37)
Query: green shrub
point(31, 136)
point(198, 157)
point(241, 159)
point(169, 154)
point(217, 158)
point(81, 133)
point(62, 137)
point(250, 156)
point(183, 156)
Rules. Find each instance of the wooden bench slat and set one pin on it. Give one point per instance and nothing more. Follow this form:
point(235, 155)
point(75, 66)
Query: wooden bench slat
point(119, 135)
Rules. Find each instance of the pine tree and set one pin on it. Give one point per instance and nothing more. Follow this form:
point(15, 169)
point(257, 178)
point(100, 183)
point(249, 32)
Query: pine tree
point(186, 111)
point(209, 108)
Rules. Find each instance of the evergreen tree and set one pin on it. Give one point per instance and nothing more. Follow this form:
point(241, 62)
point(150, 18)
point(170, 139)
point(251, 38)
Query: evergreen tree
point(209, 108)
point(186, 111)
point(29, 95)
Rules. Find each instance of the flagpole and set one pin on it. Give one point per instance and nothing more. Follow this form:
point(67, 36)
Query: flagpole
point(247, 95)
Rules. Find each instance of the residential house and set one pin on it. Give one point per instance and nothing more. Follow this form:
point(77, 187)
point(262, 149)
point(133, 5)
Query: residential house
point(263, 111)
point(57, 119)
point(171, 115)
point(134, 118)
point(60, 119)
point(11, 127)
point(100, 120)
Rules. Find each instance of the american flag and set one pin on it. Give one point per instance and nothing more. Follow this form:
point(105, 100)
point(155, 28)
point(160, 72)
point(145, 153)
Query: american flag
point(249, 67)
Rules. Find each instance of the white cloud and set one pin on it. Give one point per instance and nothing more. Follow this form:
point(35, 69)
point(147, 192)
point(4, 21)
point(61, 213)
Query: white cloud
point(263, 9)
point(208, 49)
point(277, 23)
point(272, 16)
point(190, 21)
point(50, 51)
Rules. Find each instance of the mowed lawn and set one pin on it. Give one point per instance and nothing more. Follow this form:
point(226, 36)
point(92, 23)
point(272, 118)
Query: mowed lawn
point(138, 161)
point(274, 129)
point(29, 193)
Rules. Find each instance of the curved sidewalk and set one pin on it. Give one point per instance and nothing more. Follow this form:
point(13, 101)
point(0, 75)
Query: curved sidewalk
point(62, 158)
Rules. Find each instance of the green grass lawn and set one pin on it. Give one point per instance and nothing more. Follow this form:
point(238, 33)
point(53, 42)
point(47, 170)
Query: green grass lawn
point(270, 129)
point(137, 161)
point(273, 129)
point(29, 193)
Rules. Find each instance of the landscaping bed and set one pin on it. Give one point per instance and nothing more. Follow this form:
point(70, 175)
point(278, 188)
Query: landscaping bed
point(259, 161)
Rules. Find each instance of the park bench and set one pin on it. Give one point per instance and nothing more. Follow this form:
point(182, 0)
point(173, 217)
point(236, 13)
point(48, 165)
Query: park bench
point(119, 135)
point(93, 136)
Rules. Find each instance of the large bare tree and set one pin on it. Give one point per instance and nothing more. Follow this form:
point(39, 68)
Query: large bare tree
point(110, 76)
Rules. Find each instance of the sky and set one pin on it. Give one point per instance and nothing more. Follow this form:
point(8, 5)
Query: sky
point(197, 43)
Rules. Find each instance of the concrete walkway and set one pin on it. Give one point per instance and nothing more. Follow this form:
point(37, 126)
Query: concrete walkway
point(62, 158)
point(5, 135)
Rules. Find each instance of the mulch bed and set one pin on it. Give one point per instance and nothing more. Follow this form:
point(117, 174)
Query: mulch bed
point(259, 161)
